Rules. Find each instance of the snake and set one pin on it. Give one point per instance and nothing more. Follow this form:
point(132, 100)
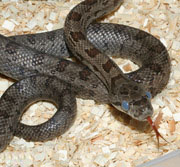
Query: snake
point(41, 69)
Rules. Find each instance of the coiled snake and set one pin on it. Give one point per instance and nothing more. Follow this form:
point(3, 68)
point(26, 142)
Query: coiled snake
point(37, 62)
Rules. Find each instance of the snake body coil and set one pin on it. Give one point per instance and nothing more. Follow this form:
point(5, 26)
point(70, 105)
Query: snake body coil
point(37, 62)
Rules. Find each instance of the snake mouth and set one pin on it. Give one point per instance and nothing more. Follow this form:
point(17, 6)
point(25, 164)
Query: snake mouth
point(158, 135)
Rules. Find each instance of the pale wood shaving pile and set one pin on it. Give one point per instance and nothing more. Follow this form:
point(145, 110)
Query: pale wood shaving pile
point(97, 138)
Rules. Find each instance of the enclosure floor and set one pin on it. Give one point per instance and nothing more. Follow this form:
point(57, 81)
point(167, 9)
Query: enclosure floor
point(98, 137)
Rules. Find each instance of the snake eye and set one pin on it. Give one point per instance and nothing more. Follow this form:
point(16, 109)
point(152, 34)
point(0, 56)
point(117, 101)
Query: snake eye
point(148, 94)
point(125, 105)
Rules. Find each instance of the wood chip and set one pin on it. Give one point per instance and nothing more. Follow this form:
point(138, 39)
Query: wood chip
point(127, 67)
point(8, 25)
point(158, 120)
point(172, 127)
point(176, 117)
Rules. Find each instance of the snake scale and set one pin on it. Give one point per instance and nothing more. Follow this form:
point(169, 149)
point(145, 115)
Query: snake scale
point(38, 64)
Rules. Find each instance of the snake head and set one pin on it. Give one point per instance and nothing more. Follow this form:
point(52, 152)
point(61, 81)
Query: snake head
point(133, 100)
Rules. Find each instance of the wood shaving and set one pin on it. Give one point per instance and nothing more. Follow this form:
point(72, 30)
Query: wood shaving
point(158, 120)
point(127, 67)
point(172, 126)
point(97, 139)
point(176, 117)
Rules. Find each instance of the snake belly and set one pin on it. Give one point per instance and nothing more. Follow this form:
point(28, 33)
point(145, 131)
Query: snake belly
point(37, 62)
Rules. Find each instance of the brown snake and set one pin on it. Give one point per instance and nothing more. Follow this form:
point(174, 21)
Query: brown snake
point(34, 61)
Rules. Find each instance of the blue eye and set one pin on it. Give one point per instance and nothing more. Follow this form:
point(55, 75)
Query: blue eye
point(148, 94)
point(125, 105)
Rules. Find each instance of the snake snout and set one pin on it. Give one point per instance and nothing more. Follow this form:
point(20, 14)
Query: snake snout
point(142, 111)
